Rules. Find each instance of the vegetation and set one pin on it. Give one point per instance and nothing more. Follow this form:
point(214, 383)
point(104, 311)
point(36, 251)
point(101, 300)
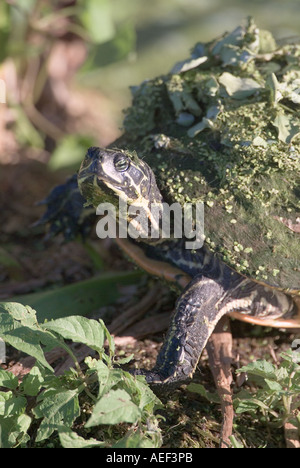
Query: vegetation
point(277, 394)
point(97, 404)
point(31, 411)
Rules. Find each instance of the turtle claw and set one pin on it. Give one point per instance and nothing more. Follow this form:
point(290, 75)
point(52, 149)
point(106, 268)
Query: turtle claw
point(158, 380)
point(66, 212)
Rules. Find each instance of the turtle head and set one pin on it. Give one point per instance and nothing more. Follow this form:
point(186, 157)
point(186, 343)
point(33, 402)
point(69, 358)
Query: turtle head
point(106, 175)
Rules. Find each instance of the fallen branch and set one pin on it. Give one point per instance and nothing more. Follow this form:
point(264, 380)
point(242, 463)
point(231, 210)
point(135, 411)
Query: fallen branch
point(219, 349)
point(134, 313)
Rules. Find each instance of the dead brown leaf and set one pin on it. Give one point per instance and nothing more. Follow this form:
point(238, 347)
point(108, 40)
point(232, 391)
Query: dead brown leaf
point(291, 434)
point(295, 227)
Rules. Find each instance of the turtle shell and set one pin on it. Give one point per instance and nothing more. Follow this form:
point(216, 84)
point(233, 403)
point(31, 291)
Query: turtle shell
point(223, 128)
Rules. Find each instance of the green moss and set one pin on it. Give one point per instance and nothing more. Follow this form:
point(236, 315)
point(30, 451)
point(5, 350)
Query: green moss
point(229, 135)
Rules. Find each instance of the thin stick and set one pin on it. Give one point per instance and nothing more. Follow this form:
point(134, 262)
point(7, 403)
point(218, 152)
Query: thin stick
point(219, 348)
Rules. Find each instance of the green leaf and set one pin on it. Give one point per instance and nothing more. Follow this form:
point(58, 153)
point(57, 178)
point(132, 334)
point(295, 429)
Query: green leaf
point(125, 360)
point(199, 127)
point(4, 30)
point(69, 439)
point(25, 132)
point(14, 406)
point(47, 427)
point(118, 48)
point(69, 152)
point(287, 131)
point(258, 141)
point(4, 15)
point(207, 121)
point(33, 381)
point(25, 315)
point(250, 405)
point(274, 86)
point(27, 339)
point(13, 430)
point(267, 42)
point(80, 330)
point(188, 64)
point(274, 386)
point(238, 88)
point(114, 408)
point(235, 37)
point(82, 297)
point(97, 19)
point(4, 397)
point(11, 404)
point(246, 402)
point(110, 339)
point(136, 439)
point(60, 403)
point(235, 443)
point(107, 378)
point(282, 374)
point(291, 356)
point(261, 368)
point(201, 390)
point(143, 395)
point(8, 380)
point(27, 5)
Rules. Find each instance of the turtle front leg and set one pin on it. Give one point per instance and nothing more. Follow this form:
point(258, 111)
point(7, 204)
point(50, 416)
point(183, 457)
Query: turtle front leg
point(195, 318)
point(66, 211)
point(198, 310)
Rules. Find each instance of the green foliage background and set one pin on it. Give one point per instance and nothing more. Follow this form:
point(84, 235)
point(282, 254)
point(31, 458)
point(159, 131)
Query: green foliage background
point(133, 40)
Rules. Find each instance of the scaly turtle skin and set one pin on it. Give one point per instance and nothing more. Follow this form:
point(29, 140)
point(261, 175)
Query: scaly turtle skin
point(223, 129)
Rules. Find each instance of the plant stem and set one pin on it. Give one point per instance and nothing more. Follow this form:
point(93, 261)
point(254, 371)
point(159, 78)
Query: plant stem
point(288, 399)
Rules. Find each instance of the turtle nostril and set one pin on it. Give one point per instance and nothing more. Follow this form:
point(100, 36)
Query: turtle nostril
point(93, 152)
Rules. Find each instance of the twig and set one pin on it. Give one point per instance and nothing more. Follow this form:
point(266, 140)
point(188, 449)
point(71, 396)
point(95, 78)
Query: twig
point(150, 325)
point(131, 315)
point(219, 349)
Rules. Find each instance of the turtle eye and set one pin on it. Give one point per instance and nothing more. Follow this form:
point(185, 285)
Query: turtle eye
point(121, 163)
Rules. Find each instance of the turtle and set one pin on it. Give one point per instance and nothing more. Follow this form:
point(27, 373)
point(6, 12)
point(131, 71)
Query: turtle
point(220, 131)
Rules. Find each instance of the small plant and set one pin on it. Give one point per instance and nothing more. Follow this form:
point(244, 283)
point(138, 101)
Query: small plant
point(277, 394)
point(89, 400)
point(273, 397)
